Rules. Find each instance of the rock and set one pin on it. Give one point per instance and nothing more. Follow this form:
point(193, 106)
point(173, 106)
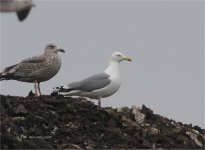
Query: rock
point(194, 137)
point(148, 112)
point(31, 94)
point(55, 122)
point(197, 128)
point(155, 130)
point(4, 103)
point(20, 109)
point(182, 139)
point(76, 146)
point(139, 117)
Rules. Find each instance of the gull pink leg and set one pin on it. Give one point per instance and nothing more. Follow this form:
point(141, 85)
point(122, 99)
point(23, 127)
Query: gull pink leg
point(36, 86)
point(39, 89)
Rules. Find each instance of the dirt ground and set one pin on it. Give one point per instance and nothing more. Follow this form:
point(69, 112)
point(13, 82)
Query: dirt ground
point(55, 122)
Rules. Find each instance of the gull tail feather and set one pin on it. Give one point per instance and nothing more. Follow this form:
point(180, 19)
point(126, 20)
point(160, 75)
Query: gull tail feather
point(8, 73)
point(62, 89)
point(1, 77)
point(5, 76)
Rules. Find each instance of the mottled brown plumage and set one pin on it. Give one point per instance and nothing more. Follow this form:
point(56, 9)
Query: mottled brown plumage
point(35, 69)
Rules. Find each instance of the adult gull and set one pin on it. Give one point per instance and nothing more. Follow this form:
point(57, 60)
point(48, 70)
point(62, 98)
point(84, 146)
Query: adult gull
point(35, 69)
point(97, 86)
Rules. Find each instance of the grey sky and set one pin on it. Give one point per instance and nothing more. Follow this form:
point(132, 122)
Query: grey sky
point(165, 40)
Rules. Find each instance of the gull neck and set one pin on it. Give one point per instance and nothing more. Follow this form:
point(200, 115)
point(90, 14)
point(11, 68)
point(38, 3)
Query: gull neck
point(113, 67)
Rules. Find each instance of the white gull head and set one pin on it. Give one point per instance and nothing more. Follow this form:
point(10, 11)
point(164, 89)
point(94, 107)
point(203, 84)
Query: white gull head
point(118, 57)
point(115, 60)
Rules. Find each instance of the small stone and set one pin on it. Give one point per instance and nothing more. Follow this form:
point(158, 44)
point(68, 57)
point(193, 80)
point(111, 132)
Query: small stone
point(197, 128)
point(20, 109)
point(194, 137)
point(139, 117)
point(182, 139)
point(76, 146)
point(154, 130)
point(31, 94)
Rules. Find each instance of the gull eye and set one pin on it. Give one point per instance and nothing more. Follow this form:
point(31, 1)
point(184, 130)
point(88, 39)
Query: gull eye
point(51, 46)
point(118, 55)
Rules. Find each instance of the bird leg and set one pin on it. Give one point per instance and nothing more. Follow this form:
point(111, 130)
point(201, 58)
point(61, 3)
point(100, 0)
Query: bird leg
point(36, 86)
point(39, 89)
point(99, 103)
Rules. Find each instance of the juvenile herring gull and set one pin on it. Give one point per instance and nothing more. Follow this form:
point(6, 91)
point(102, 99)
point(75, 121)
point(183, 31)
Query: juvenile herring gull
point(97, 86)
point(35, 69)
point(21, 7)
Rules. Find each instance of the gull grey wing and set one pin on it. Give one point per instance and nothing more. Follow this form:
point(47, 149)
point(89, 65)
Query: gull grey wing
point(23, 13)
point(95, 82)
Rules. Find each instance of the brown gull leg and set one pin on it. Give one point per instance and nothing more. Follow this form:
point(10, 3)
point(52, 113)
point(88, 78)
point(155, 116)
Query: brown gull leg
point(36, 86)
point(39, 88)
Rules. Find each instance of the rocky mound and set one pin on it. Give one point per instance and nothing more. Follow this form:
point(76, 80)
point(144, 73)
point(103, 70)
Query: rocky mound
point(50, 122)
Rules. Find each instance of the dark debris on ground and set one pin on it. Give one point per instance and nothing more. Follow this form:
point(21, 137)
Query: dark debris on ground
point(55, 122)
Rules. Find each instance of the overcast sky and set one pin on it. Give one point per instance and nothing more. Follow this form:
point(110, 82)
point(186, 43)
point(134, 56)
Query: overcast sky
point(164, 39)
